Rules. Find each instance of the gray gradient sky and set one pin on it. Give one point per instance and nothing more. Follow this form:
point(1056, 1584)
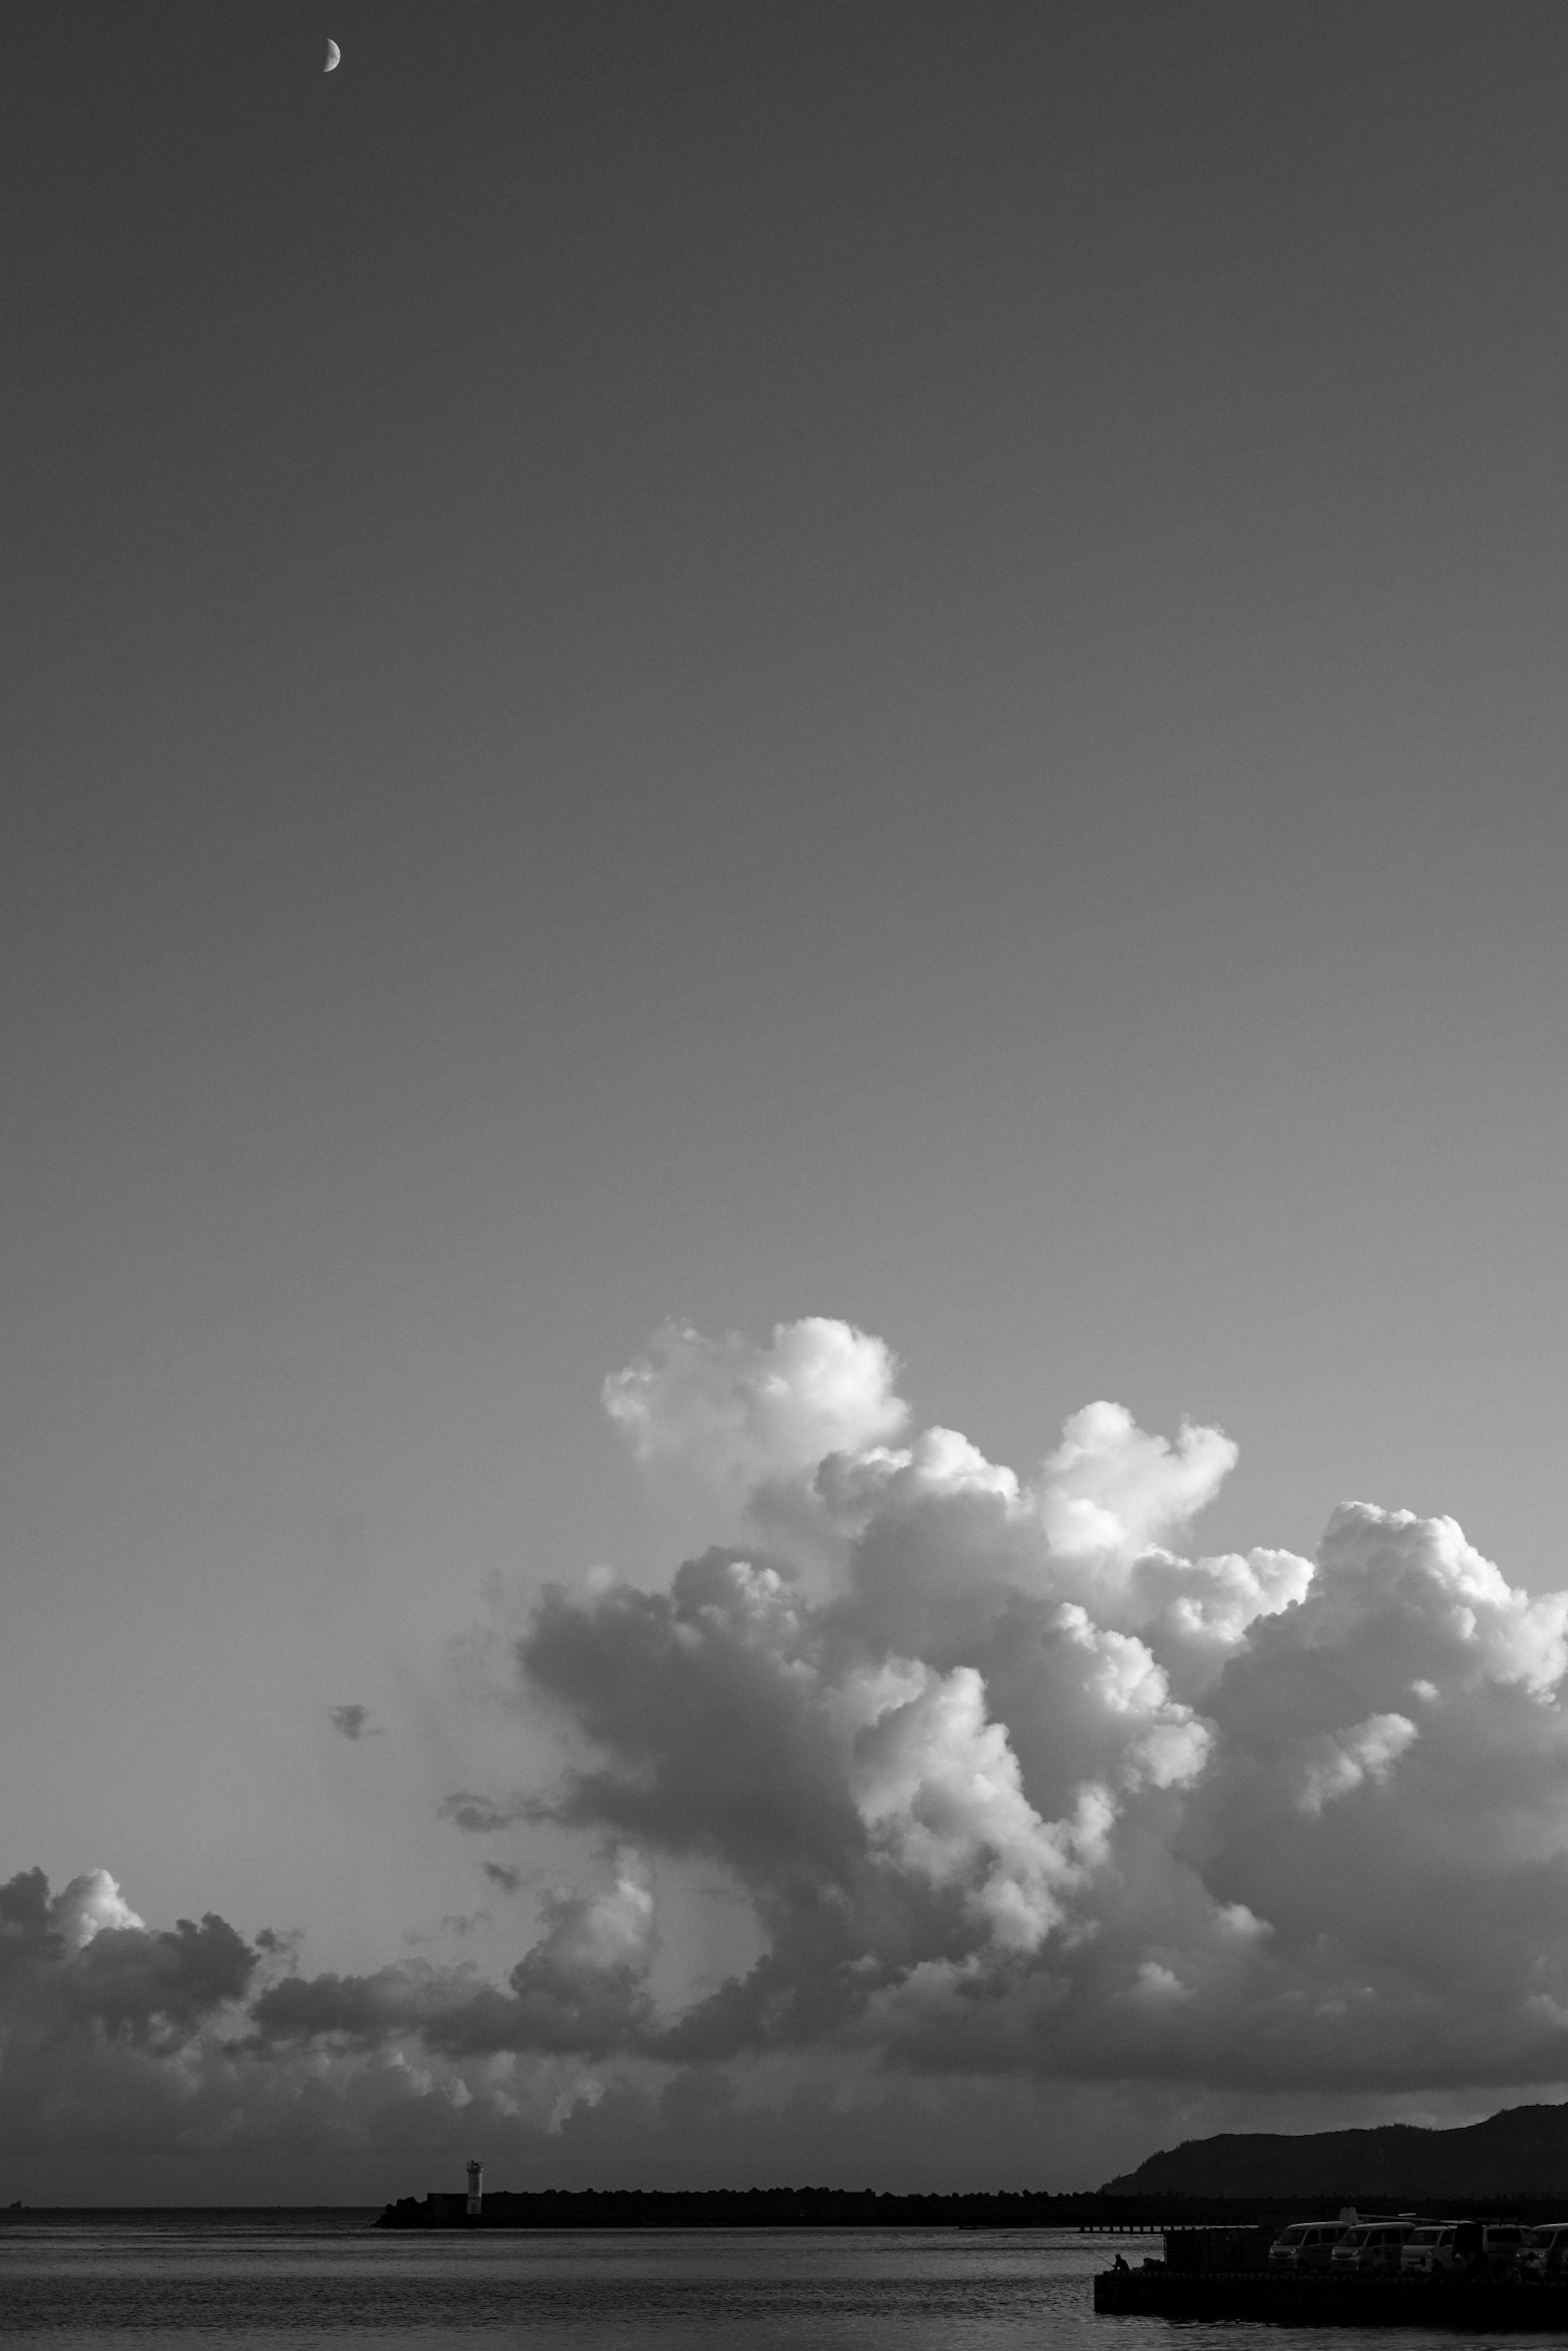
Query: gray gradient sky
point(736, 661)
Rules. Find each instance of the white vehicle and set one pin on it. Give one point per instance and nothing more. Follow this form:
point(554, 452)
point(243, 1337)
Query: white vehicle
point(1306, 2244)
point(1372, 2248)
point(1431, 2250)
point(1463, 2247)
point(1545, 2252)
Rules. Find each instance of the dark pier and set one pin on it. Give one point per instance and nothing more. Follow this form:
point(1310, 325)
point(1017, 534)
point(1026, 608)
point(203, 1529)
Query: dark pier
point(1465, 2307)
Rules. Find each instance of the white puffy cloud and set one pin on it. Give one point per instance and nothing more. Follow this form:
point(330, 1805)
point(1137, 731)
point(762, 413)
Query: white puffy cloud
point(1337, 1761)
point(940, 1792)
point(1108, 1487)
point(88, 1906)
point(607, 1934)
point(736, 1414)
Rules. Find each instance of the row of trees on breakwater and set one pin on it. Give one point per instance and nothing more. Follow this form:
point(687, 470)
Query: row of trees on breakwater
point(825, 2208)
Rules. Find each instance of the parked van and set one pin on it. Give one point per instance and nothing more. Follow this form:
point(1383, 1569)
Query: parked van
point(1502, 2241)
point(1306, 2244)
point(1432, 2250)
point(1545, 2252)
point(1463, 2247)
point(1372, 2248)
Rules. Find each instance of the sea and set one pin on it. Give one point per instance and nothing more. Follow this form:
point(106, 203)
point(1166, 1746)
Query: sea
point(309, 2281)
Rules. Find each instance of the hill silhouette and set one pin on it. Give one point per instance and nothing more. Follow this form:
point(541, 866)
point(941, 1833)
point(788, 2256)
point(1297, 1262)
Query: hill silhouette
point(1522, 2151)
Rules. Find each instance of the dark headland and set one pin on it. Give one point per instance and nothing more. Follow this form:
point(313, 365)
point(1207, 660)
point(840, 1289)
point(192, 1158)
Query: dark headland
point(1521, 2153)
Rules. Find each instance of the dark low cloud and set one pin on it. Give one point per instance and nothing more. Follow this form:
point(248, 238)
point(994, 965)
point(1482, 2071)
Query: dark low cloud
point(582, 1988)
point(81, 1961)
point(140, 2063)
point(137, 1982)
point(355, 1722)
point(499, 1873)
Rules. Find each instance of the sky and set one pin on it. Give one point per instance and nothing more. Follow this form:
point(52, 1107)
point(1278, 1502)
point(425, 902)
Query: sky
point(734, 733)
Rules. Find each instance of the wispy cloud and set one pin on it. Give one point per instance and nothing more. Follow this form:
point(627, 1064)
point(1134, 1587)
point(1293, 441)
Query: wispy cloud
point(483, 1815)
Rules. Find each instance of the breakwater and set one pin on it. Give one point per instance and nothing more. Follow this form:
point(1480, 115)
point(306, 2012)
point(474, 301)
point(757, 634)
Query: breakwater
point(849, 2207)
point(798, 2207)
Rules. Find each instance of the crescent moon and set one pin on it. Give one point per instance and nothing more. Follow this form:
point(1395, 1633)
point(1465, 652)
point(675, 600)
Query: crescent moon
point(333, 54)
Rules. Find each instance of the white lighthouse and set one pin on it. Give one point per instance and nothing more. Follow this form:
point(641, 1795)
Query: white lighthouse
point(475, 2205)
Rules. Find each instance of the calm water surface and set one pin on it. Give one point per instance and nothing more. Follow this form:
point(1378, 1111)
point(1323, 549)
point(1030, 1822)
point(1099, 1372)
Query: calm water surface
point(303, 2283)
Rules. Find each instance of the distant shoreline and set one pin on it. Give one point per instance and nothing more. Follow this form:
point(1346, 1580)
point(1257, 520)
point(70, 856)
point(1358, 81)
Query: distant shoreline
point(149, 2215)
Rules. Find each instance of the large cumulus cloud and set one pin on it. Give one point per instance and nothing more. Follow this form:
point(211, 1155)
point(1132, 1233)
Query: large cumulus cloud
point(1013, 1776)
point(1015, 1785)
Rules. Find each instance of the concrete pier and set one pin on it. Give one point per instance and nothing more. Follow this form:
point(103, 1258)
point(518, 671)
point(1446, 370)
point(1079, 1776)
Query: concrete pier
point(1466, 2306)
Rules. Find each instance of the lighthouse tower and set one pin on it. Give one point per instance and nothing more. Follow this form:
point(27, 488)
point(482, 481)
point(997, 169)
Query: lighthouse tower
point(476, 2204)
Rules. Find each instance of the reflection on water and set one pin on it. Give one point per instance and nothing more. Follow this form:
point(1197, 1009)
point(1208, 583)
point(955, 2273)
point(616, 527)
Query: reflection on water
point(303, 2281)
